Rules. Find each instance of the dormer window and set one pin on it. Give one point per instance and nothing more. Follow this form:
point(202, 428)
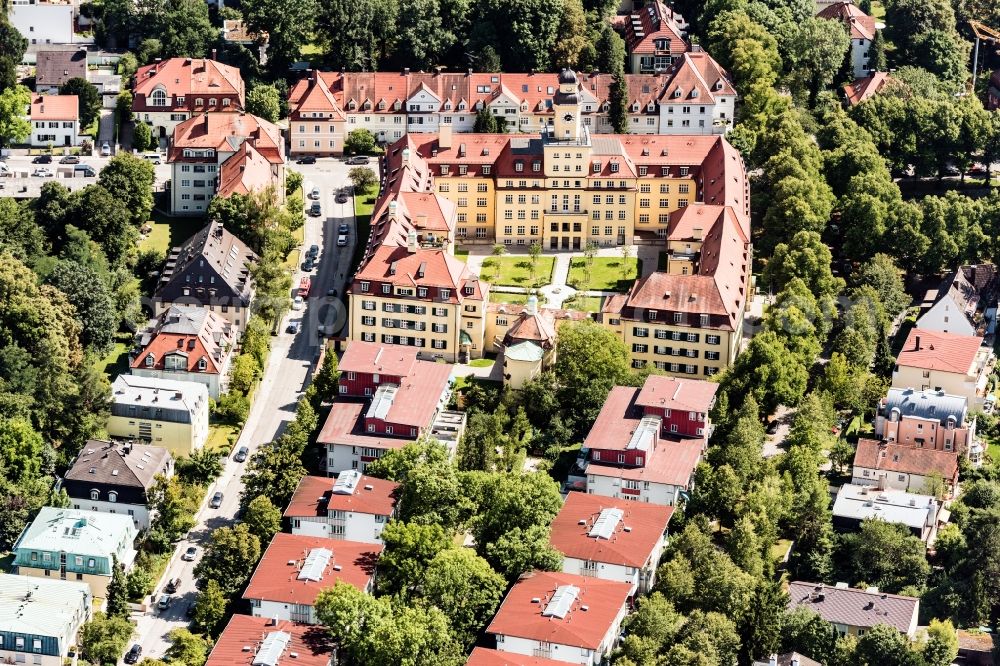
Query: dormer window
point(199, 102)
point(158, 98)
point(112, 496)
point(444, 293)
point(150, 360)
point(212, 101)
point(95, 494)
point(368, 105)
point(694, 93)
point(461, 106)
point(597, 167)
point(635, 107)
point(518, 166)
point(365, 286)
point(614, 167)
point(678, 92)
point(352, 105)
point(381, 106)
point(202, 364)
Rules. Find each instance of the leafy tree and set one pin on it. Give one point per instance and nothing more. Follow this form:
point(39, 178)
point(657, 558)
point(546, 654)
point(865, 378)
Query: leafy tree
point(12, 48)
point(200, 468)
point(229, 558)
point(289, 25)
point(488, 61)
point(483, 437)
point(409, 548)
point(819, 49)
point(20, 235)
point(462, 582)
point(590, 361)
point(91, 302)
point(262, 518)
point(245, 372)
point(523, 44)
point(117, 605)
point(487, 123)
point(327, 378)
point(424, 35)
point(274, 472)
point(654, 624)
point(885, 555)
point(761, 629)
point(572, 39)
point(883, 644)
point(515, 500)
point(881, 273)
point(805, 257)
point(14, 127)
point(21, 450)
point(103, 639)
point(210, 608)
point(131, 179)
point(106, 218)
point(360, 141)
point(142, 137)
point(521, 550)
point(88, 98)
point(358, 35)
point(941, 646)
point(610, 49)
point(362, 178)
point(263, 101)
point(173, 510)
point(804, 631)
point(876, 54)
point(768, 371)
point(187, 648)
point(618, 98)
point(711, 637)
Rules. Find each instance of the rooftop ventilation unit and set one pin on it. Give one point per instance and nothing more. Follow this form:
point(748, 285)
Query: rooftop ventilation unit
point(270, 650)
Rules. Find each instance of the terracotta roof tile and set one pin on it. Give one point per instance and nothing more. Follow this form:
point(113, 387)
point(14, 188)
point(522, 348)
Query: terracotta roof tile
point(646, 522)
point(224, 132)
point(486, 657)
point(189, 76)
point(865, 88)
point(371, 357)
point(860, 25)
point(905, 459)
point(194, 334)
point(55, 107)
point(946, 352)
point(655, 21)
point(275, 579)
point(312, 645)
point(314, 497)
point(687, 395)
point(521, 617)
point(672, 463)
point(244, 172)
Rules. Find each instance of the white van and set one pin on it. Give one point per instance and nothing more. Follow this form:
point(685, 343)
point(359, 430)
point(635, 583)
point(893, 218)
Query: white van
point(155, 158)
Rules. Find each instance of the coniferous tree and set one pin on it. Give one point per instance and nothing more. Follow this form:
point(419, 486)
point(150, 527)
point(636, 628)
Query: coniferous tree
point(876, 54)
point(619, 103)
point(117, 591)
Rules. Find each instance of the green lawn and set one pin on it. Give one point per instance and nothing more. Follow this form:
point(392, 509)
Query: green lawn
point(605, 274)
point(584, 303)
point(878, 10)
point(169, 232)
point(516, 271)
point(482, 362)
point(462, 254)
point(364, 203)
point(779, 549)
point(218, 437)
point(515, 299)
point(115, 363)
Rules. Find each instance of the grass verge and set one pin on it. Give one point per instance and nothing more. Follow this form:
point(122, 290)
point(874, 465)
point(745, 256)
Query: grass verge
point(364, 203)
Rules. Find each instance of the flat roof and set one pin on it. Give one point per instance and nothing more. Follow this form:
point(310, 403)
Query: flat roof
point(43, 606)
point(282, 574)
point(77, 531)
point(689, 395)
point(892, 506)
point(632, 538)
point(589, 615)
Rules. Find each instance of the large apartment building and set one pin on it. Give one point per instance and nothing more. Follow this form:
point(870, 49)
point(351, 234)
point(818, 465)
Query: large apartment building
point(690, 94)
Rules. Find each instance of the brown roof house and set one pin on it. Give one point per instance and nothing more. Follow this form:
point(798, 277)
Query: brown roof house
point(57, 65)
point(903, 466)
point(852, 612)
point(112, 477)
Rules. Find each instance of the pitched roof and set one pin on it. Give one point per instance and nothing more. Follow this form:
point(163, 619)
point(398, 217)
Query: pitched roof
point(936, 405)
point(945, 352)
point(189, 76)
point(282, 574)
point(194, 334)
point(399, 266)
point(223, 132)
point(859, 24)
point(313, 95)
point(56, 66)
point(375, 358)
point(788, 659)
point(314, 496)
point(245, 171)
point(691, 294)
point(486, 657)
point(35, 606)
point(971, 288)
point(617, 420)
point(134, 465)
point(298, 644)
point(672, 463)
point(520, 616)
point(905, 459)
point(346, 425)
point(55, 107)
point(218, 262)
point(855, 608)
point(632, 539)
point(687, 395)
point(696, 78)
point(652, 22)
point(865, 88)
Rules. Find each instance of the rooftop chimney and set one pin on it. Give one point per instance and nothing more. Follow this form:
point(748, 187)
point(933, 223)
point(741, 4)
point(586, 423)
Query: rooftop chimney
point(532, 307)
point(917, 340)
point(444, 137)
point(772, 660)
point(411, 241)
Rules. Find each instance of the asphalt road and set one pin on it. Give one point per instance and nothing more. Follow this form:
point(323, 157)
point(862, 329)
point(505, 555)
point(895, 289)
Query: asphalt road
point(285, 378)
point(22, 185)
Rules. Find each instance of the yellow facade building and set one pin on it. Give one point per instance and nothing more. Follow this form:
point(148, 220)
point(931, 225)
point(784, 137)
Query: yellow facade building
point(162, 412)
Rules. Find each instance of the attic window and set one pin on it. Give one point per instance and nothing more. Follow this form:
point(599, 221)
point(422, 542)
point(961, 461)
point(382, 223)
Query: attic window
point(202, 364)
point(461, 106)
point(381, 106)
point(597, 167)
point(694, 93)
point(614, 167)
point(150, 359)
point(352, 105)
point(678, 92)
point(635, 106)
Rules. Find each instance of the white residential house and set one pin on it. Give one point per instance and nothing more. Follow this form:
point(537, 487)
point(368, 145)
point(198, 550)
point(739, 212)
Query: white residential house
point(55, 120)
point(40, 618)
point(352, 507)
point(43, 22)
point(860, 27)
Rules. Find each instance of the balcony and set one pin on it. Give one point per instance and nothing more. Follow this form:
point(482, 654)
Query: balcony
point(566, 210)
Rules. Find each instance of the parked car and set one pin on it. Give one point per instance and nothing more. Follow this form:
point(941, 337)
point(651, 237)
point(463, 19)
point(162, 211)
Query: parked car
point(70, 159)
point(306, 159)
point(85, 170)
point(42, 172)
point(293, 328)
point(341, 240)
point(343, 228)
point(164, 602)
point(106, 149)
point(314, 193)
point(216, 501)
point(341, 198)
point(308, 265)
point(42, 159)
point(172, 585)
point(359, 159)
point(132, 656)
point(313, 251)
point(190, 554)
point(241, 454)
point(298, 303)
point(316, 209)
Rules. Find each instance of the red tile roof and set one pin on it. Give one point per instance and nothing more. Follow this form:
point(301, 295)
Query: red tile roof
point(374, 358)
point(860, 25)
point(275, 579)
point(865, 88)
point(244, 172)
point(945, 352)
point(312, 645)
point(314, 497)
point(193, 333)
point(487, 657)
point(655, 21)
point(187, 77)
point(55, 107)
point(672, 463)
point(223, 132)
point(646, 525)
point(687, 395)
point(617, 420)
point(692, 294)
point(696, 78)
point(346, 425)
point(905, 459)
point(522, 617)
point(398, 266)
point(313, 95)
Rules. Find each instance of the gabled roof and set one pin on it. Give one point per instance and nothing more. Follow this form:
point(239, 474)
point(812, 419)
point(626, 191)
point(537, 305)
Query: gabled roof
point(193, 333)
point(521, 616)
point(944, 352)
point(398, 266)
point(696, 78)
point(865, 88)
point(132, 465)
point(486, 657)
point(245, 171)
point(245, 638)
point(859, 24)
point(691, 294)
point(56, 66)
point(686, 395)
point(375, 358)
point(855, 608)
point(190, 76)
point(971, 288)
point(905, 459)
point(223, 132)
point(671, 463)
point(282, 574)
point(314, 496)
point(632, 539)
point(213, 252)
point(313, 95)
point(55, 107)
point(652, 22)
